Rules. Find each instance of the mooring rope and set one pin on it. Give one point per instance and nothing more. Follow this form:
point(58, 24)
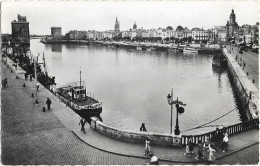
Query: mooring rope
point(211, 121)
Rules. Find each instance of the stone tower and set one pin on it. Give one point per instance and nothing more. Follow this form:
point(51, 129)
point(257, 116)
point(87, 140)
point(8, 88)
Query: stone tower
point(20, 31)
point(233, 24)
point(117, 27)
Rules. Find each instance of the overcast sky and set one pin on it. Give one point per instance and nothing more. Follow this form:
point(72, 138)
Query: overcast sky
point(101, 15)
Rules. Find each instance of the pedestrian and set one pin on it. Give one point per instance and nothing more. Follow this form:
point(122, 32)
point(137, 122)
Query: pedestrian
point(154, 160)
point(37, 85)
point(30, 77)
point(207, 142)
point(215, 137)
point(212, 152)
point(200, 150)
point(48, 102)
point(25, 76)
point(82, 122)
point(142, 128)
point(147, 149)
point(191, 144)
point(187, 151)
point(225, 142)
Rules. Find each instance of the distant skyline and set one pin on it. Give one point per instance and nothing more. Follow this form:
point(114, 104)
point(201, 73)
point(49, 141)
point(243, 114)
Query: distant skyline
point(101, 15)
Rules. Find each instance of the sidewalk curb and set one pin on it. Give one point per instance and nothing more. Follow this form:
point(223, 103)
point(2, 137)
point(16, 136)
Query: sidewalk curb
point(143, 157)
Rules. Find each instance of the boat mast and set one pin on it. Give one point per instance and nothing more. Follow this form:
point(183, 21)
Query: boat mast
point(80, 78)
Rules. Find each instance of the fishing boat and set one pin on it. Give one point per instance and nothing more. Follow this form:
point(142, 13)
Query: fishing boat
point(190, 50)
point(78, 99)
point(218, 61)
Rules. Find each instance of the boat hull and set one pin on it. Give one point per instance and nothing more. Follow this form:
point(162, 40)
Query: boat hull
point(83, 112)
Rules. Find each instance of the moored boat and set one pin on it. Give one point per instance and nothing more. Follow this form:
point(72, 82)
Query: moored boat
point(190, 50)
point(78, 99)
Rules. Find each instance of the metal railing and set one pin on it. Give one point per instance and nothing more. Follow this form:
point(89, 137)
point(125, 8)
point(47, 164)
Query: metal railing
point(230, 130)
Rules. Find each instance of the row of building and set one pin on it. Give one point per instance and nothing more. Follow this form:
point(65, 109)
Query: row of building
point(218, 34)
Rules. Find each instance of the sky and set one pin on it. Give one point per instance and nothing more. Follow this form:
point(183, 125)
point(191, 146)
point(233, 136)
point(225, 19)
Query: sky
point(101, 15)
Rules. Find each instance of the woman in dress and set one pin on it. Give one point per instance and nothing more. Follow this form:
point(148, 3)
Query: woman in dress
point(212, 156)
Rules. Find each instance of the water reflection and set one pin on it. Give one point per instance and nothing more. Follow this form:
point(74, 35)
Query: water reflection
point(56, 48)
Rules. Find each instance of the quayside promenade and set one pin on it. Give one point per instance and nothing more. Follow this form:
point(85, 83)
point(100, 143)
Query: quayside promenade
point(31, 136)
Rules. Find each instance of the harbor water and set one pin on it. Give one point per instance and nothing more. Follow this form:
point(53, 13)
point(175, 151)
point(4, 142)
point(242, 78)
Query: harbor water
point(133, 85)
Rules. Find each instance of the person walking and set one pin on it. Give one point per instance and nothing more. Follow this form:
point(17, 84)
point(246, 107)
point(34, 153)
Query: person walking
point(225, 142)
point(212, 152)
point(30, 77)
point(142, 128)
point(37, 85)
point(82, 122)
point(187, 151)
point(48, 102)
point(147, 149)
point(191, 144)
point(25, 76)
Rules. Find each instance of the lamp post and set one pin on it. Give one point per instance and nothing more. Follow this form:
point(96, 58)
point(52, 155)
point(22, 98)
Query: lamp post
point(178, 110)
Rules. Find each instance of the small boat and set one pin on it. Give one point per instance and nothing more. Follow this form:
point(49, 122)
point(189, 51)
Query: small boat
point(148, 49)
point(138, 48)
point(76, 97)
point(172, 49)
point(190, 50)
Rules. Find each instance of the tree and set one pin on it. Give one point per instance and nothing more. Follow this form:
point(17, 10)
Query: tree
point(180, 28)
point(169, 28)
point(189, 39)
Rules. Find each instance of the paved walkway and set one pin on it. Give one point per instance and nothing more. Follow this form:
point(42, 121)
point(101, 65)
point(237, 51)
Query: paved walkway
point(30, 136)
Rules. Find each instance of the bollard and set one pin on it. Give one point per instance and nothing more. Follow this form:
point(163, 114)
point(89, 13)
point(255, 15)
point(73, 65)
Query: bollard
point(43, 109)
point(253, 80)
point(32, 95)
point(36, 101)
point(11, 71)
point(24, 85)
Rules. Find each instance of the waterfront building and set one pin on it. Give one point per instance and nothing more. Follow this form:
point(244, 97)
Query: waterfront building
point(187, 32)
point(144, 33)
point(56, 33)
point(179, 34)
point(117, 28)
point(200, 35)
point(20, 31)
point(255, 33)
point(108, 34)
point(220, 34)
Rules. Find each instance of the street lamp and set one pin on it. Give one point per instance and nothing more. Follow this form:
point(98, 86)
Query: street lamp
point(178, 110)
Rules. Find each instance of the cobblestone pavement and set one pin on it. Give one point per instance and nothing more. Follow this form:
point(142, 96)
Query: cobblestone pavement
point(249, 155)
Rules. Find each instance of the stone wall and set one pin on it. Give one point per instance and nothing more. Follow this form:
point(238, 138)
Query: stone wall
point(248, 92)
point(136, 137)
